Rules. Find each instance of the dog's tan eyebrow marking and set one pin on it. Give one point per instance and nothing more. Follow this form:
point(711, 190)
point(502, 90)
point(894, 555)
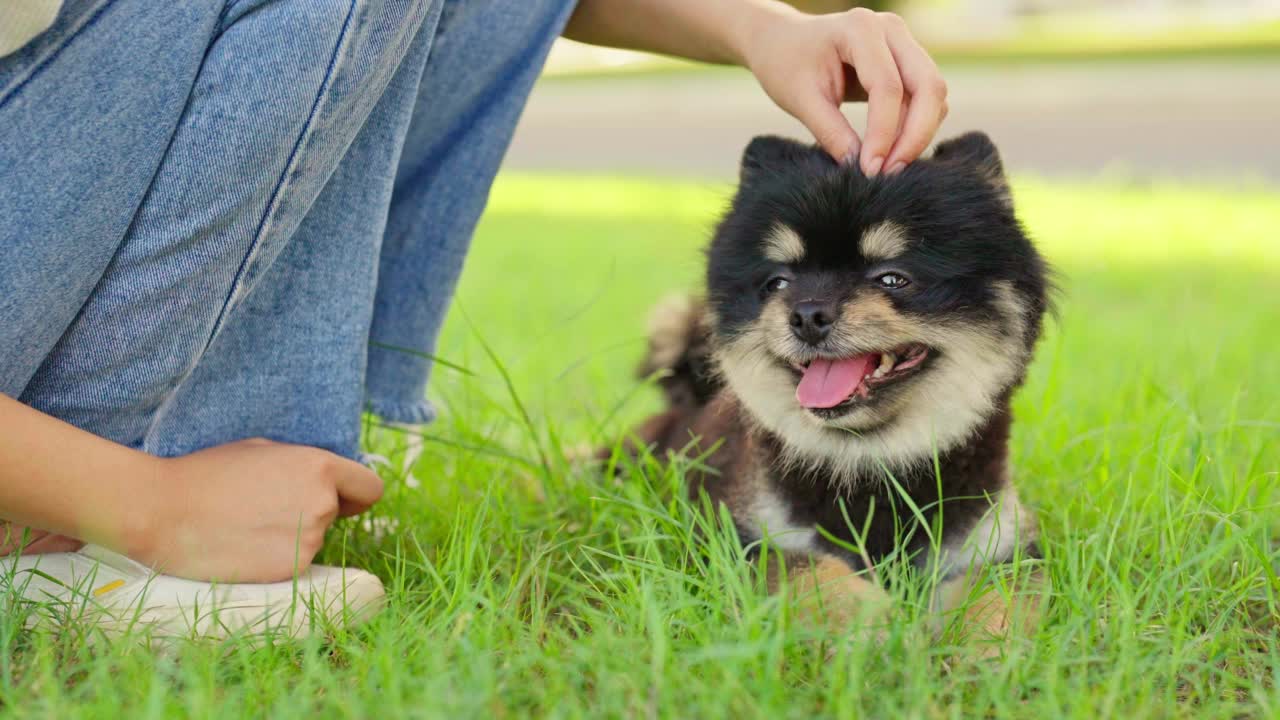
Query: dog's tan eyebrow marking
point(884, 241)
point(783, 245)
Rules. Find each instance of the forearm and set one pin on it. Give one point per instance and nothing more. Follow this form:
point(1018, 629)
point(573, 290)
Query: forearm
point(714, 31)
point(59, 478)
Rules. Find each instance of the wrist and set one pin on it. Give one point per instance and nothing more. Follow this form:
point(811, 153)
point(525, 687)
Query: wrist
point(128, 519)
point(752, 22)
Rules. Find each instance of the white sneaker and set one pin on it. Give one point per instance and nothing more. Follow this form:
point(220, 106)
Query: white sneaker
point(116, 594)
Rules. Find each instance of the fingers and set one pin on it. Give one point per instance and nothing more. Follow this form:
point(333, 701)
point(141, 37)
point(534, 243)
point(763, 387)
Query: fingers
point(928, 97)
point(864, 46)
point(53, 544)
point(38, 541)
point(811, 64)
point(358, 487)
point(830, 128)
point(853, 91)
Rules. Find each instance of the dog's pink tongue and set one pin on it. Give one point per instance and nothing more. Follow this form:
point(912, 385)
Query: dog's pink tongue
point(827, 383)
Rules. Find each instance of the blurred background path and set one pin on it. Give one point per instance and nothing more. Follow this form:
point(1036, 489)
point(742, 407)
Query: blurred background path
point(1215, 119)
point(1187, 89)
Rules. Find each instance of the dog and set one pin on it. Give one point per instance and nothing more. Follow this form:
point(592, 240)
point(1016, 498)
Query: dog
point(846, 378)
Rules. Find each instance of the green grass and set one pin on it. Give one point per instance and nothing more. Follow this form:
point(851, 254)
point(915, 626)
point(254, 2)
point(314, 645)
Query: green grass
point(1148, 441)
point(1046, 42)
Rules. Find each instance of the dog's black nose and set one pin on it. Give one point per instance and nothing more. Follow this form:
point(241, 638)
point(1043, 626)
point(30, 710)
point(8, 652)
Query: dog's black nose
point(811, 320)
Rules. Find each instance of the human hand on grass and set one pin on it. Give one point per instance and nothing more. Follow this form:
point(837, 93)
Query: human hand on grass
point(810, 64)
point(250, 511)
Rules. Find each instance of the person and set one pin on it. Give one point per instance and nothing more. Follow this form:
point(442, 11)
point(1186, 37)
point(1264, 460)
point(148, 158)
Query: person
point(222, 225)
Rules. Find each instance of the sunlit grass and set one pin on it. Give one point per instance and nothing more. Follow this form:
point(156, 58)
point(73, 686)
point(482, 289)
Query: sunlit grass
point(1148, 440)
point(1105, 39)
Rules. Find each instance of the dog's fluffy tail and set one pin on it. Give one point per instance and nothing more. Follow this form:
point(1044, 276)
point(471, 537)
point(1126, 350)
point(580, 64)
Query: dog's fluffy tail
point(680, 352)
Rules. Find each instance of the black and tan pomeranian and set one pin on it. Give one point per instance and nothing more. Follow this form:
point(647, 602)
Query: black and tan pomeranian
point(849, 373)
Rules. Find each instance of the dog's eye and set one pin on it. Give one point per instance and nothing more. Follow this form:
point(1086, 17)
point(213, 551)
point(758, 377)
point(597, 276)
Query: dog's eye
point(893, 281)
point(776, 284)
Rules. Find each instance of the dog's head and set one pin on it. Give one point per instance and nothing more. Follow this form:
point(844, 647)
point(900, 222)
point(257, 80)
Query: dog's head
point(873, 320)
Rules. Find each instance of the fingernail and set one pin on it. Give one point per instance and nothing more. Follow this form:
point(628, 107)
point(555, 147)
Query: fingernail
point(849, 158)
point(895, 168)
point(873, 167)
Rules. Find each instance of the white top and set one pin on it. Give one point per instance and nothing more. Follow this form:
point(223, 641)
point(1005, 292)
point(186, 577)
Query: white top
point(22, 20)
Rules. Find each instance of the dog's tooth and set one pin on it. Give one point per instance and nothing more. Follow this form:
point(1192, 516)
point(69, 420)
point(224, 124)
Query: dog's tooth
point(887, 361)
point(883, 365)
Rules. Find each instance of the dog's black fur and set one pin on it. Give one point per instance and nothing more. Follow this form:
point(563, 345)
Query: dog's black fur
point(955, 207)
point(937, 431)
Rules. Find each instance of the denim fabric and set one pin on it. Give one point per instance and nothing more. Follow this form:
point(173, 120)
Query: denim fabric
point(462, 125)
point(205, 211)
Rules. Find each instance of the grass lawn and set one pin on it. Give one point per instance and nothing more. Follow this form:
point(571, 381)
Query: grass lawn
point(1148, 441)
point(1045, 42)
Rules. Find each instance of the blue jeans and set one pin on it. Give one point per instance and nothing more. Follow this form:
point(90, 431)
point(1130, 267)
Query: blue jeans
point(247, 218)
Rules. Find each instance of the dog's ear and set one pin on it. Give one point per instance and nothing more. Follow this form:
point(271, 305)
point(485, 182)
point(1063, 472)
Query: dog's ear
point(976, 151)
point(973, 149)
point(770, 153)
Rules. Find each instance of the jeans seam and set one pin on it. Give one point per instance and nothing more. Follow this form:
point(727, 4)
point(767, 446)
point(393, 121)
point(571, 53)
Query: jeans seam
point(273, 204)
point(448, 137)
point(268, 214)
point(53, 53)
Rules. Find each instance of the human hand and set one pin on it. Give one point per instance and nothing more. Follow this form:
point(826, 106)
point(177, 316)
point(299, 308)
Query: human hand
point(249, 511)
point(33, 541)
point(810, 64)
